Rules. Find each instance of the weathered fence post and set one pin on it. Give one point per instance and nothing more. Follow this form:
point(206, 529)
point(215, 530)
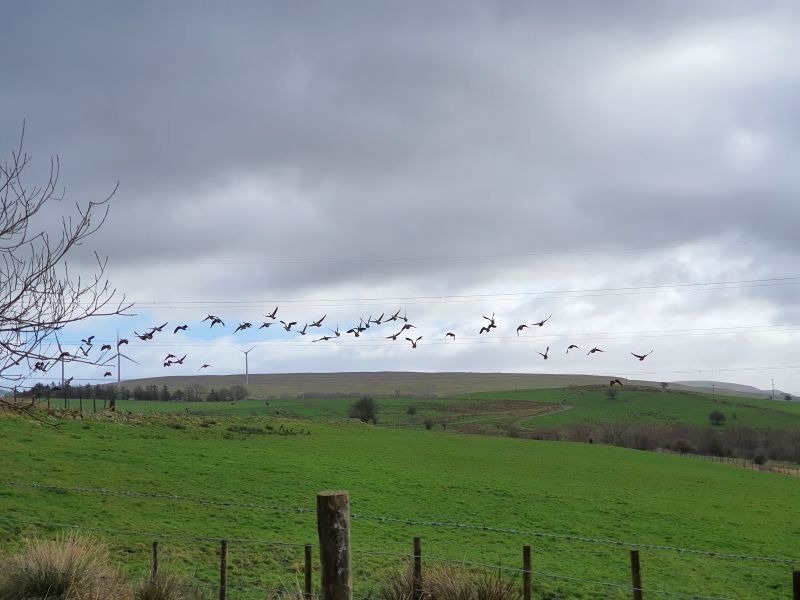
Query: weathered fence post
point(154, 568)
point(636, 575)
point(416, 592)
point(80, 401)
point(796, 584)
point(333, 526)
point(223, 569)
point(307, 588)
point(526, 572)
point(94, 404)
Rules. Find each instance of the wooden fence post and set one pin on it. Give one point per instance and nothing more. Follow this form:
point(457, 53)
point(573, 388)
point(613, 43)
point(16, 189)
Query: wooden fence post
point(526, 572)
point(333, 526)
point(636, 575)
point(223, 569)
point(796, 584)
point(94, 404)
point(416, 592)
point(307, 588)
point(154, 568)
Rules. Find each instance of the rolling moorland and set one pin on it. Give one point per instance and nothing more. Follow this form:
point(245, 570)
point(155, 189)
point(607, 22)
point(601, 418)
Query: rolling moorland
point(279, 454)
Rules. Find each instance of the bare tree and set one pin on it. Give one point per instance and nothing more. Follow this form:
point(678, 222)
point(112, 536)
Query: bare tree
point(38, 294)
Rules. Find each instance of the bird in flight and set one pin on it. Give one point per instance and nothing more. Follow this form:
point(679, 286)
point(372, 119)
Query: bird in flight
point(88, 341)
point(272, 314)
point(159, 328)
point(593, 350)
point(379, 320)
point(167, 363)
point(84, 350)
point(541, 323)
point(393, 336)
point(64, 354)
point(641, 357)
point(168, 356)
point(243, 326)
point(394, 316)
point(122, 341)
point(356, 331)
point(414, 342)
point(335, 331)
point(303, 330)
point(40, 366)
point(288, 326)
point(615, 382)
point(492, 323)
point(105, 347)
point(180, 360)
point(450, 334)
point(546, 352)
point(572, 347)
point(216, 321)
point(405, 317)
point(108, 374)
point(407, 326)
point(144, 336)
point(266, 324)
point(210, 318)
point(365, 324)
point(68, 381)
point(203, 367)
point(484, 329)
point(181, 328)
point(318, 323)
point(324, 338)
point(520, 328)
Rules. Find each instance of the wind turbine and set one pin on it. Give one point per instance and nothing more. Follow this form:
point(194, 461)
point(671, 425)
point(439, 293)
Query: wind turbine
point(246, 366)
point(118, 356)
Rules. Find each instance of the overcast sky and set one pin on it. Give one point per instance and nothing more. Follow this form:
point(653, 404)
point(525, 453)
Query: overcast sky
point(450, 159)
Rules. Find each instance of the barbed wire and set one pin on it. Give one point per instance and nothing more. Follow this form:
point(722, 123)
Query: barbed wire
point(159, 496)
point(156, 535)
point(416, 522)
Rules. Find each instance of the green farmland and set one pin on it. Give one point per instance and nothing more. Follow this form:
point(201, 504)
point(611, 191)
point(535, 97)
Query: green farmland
point(578, 489)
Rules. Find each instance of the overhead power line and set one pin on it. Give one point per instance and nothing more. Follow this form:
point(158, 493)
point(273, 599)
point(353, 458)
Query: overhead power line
point(483, 297)
point(463, 257)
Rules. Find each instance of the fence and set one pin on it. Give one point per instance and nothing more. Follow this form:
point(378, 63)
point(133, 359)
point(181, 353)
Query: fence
point(334, 520)
point(769, 467)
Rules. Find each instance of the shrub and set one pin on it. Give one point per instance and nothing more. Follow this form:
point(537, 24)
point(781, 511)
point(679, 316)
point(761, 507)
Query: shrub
point(716, 417)
point(760, 456)
point(428, 423)
point(683, 446)
point(166, 587)
point(70, 567)
point(365, 410)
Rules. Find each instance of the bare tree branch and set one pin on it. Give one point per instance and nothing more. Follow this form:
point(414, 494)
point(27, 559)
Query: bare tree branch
point(38, 294)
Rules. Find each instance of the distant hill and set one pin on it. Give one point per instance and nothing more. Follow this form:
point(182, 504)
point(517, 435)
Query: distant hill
point(381, 383)
point(725, 387)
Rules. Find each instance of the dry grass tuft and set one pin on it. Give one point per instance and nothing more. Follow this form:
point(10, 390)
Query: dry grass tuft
point(68, 568)
point(450, 583)
point(166, 587)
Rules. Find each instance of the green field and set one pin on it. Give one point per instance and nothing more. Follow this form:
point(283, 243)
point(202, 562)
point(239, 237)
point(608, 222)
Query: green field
point(588, 490)
point(528, 408)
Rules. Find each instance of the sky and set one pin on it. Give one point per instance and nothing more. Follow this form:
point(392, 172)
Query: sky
point(628, 168)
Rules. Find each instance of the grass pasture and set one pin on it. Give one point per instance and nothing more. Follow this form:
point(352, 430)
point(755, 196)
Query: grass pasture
point(527, 408)
point(594, 491)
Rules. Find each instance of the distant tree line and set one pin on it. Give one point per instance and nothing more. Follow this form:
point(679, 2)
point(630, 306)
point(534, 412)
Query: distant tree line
point(193, 392)
point(759, 445)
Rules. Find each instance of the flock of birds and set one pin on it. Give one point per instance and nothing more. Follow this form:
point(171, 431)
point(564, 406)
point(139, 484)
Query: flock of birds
point(271, 319)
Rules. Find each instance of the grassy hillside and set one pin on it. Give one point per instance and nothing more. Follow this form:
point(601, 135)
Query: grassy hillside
point(386, 383)
point(592, 491)
point(531, 408)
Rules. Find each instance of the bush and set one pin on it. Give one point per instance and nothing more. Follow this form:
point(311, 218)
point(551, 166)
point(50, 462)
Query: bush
point(760, 456)
point(428, 423)
point(684, 446)
point(365, 410)
point(716, 417)
point(72, 567)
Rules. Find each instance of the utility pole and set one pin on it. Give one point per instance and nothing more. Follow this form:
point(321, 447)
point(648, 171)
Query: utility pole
point(246, 365)
point(714, 391)
point(118, 361)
